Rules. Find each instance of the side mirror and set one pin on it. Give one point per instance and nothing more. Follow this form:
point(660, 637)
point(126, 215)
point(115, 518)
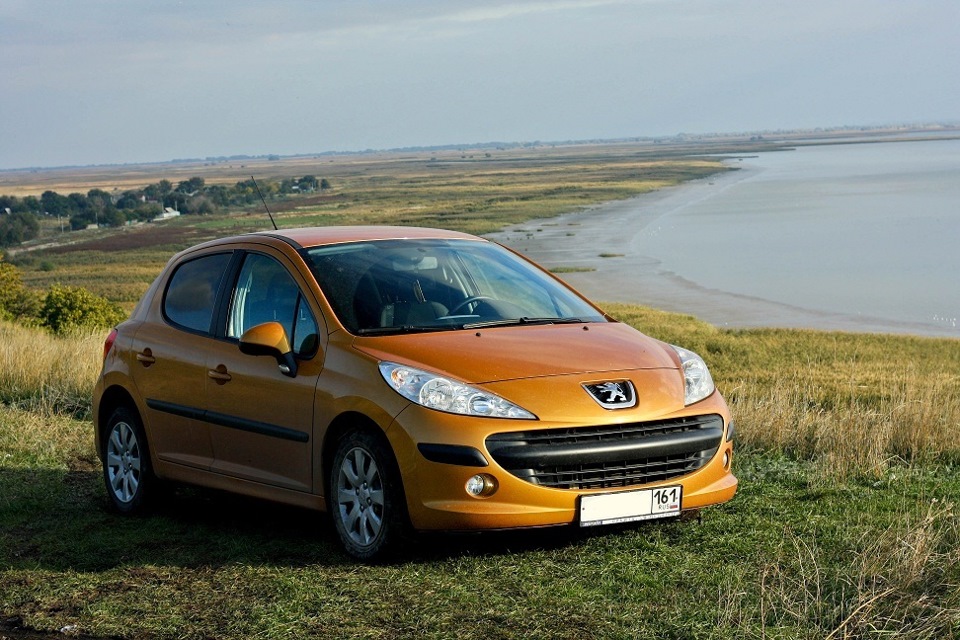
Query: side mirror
point(270, 339)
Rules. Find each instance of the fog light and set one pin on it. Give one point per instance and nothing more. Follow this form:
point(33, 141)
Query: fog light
point(481, 485)
point(726, 460)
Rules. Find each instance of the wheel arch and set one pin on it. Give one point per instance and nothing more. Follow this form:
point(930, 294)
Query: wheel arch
point(113, 397)
point(341, 425)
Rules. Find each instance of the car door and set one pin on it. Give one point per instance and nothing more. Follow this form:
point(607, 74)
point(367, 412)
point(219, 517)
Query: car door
point(261, 420)
point(170, 368)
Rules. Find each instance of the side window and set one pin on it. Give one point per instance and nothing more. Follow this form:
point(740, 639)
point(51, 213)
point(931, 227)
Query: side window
point(192, 292)
point(266, 292)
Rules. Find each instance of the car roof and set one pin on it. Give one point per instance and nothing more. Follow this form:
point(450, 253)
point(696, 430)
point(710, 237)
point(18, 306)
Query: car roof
point(317, 236)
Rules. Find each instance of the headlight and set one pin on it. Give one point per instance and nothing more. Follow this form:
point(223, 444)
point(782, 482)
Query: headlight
point(443, 394)
point(696, 377)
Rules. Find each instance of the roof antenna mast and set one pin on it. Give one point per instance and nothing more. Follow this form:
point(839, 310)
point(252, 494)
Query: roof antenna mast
point(264, 201)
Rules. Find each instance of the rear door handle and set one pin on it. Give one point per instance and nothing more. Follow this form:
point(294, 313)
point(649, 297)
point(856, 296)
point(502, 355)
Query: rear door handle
point(146, 358)
point(219, 375)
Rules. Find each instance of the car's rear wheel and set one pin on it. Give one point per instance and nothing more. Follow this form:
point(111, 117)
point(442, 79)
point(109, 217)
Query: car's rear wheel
point(366, 497)
point(126, 463)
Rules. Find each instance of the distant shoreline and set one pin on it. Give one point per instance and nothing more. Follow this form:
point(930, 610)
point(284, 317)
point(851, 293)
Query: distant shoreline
point(575, 244)
point(21, 181)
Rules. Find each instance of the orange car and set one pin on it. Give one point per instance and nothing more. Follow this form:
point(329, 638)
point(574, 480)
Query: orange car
point(401, 377)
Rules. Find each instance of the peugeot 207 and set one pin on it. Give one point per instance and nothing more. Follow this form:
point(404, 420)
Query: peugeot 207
point(402, 379)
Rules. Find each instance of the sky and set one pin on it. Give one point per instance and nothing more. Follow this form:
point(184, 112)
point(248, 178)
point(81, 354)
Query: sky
point(120, 81)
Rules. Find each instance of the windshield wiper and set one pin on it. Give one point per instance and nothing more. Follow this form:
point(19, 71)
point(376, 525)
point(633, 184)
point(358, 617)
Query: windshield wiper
point(523, 320)
point(406, 328)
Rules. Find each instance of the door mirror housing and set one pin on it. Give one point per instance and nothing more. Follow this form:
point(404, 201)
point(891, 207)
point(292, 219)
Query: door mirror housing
point(270, 339)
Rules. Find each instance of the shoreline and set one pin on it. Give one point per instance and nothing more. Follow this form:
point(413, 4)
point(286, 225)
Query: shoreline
point(598, 244)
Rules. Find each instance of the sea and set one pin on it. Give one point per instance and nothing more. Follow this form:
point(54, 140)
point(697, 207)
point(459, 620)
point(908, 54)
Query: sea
point(859, 236)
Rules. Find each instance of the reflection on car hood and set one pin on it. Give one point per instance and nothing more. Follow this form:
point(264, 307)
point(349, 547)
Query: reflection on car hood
point(509, 353)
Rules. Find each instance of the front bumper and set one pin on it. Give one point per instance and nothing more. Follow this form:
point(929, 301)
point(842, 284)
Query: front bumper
point(438, 453)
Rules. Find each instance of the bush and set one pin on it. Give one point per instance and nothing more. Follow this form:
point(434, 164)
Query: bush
point(16, 301)
point(68, 308)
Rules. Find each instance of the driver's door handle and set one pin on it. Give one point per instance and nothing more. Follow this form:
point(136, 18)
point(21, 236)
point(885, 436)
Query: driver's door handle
point(219, 375)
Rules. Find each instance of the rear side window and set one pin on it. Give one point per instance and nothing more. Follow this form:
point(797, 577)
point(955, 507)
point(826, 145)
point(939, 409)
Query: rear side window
point(192, 292)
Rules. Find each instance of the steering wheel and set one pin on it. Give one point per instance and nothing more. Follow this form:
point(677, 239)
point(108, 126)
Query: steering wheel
point(466, 303)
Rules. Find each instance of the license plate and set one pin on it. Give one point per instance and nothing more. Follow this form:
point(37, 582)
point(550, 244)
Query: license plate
point(628, 506)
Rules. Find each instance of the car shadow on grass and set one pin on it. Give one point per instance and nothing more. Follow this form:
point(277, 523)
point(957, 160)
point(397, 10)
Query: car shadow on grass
point(60, 520)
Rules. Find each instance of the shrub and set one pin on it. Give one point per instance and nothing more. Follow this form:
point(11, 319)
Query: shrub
point(16, 301)
point(68, 308)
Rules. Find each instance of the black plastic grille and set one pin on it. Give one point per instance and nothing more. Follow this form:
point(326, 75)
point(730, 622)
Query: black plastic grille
point(609, 456)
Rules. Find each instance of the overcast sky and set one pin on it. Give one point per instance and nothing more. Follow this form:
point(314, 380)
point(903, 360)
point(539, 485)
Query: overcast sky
point(114, 81)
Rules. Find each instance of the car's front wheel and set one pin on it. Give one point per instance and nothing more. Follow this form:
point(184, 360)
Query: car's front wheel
point(126, 464)
point(366, 498)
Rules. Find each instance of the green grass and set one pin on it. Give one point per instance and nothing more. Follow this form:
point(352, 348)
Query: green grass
point(789, 557)
point(844, 526)
point(562, 269)
point(809, 548)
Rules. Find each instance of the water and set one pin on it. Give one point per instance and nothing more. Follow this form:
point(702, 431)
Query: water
point(859, 237)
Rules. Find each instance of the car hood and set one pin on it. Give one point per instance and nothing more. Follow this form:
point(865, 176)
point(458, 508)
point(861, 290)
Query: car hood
point(497, 354)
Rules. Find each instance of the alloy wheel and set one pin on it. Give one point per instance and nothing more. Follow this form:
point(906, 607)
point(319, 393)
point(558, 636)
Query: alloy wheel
point(360, 497)
point(123, 462)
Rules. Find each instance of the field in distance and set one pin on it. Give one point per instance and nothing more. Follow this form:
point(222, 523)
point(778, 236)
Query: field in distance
point(477, 191)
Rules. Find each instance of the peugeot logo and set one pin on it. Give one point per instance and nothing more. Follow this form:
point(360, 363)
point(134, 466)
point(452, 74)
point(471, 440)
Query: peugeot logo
point(618, 394)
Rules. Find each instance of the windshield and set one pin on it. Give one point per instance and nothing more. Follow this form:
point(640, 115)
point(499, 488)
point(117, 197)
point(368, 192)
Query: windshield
point(393, 286)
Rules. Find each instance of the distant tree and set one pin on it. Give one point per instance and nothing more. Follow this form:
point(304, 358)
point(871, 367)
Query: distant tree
point(114, 218)
point(18, 227)
point(101, 203)
point(129, 200)
point(244, 192)
point(82, 220)
point(324, 184)
point(191, 186)
point(218, 194)
point(54, 203)
point(200, 205)
point(31, 204)
point(27, 204)
point(77, 203)
point(308, 183)
point(148, 211)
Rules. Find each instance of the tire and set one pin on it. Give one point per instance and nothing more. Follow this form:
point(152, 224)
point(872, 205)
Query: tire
point(127, 473)
point(366, 499)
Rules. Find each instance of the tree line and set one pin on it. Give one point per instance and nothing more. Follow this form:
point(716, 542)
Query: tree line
point(19, 217)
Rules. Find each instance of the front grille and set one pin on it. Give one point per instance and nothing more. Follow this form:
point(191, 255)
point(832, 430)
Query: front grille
point(609, 456)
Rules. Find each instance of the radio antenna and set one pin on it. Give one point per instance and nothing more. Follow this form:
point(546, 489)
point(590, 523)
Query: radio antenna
point(264, 201)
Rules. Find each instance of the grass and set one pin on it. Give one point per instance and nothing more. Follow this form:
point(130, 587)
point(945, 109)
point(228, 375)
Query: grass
point(563, 269)
point(809, 548)
point(46, 373)
point(848, 451)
